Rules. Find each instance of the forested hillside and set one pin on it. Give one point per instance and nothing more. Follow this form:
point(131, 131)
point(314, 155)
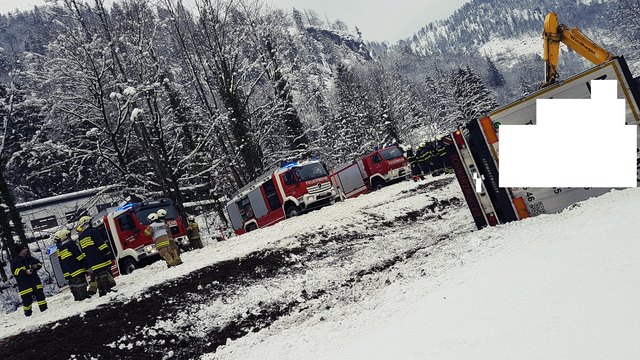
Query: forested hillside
point(162, 98)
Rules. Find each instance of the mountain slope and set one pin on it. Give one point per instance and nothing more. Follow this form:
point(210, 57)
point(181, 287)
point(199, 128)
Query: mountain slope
point(481, 21)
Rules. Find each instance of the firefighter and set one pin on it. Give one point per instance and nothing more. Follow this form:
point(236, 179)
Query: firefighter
point(162, 214)
point(98, 256)
point(25, 269)
point(158, 231)
point(434, 160)
point(424, 158)
point(193, 232)
point(72, 261)
point(413, 161)
point(441, 152)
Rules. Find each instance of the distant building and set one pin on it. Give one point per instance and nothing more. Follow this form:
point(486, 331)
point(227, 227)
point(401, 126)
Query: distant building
point(43, 216)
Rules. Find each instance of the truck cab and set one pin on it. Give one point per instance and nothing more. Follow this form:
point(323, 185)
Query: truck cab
point(125, 230)
point(385, 166)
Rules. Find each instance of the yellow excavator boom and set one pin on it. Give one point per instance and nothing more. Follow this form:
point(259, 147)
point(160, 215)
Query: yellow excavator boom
point(554, 33)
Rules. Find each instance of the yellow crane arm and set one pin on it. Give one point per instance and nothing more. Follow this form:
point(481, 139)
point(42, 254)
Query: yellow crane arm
point(554, 33)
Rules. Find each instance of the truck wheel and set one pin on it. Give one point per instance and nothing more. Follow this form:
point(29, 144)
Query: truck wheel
point(378, 184)
point(292, 211)
point(128, 266)
point(251, 227)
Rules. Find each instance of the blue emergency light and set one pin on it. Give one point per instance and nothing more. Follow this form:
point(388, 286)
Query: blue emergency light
point(289, 165)
point(125, 207)
point(52, 249)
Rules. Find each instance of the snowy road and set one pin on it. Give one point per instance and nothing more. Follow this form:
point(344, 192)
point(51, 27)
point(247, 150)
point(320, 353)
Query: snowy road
point(288, 273)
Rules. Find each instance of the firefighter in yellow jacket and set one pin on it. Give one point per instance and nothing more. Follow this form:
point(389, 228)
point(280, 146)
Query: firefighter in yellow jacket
point(162, 214)
point(158, 231)
point(193, 231)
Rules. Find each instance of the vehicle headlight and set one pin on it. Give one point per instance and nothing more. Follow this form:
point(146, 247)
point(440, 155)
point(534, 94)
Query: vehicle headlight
point(150, 249)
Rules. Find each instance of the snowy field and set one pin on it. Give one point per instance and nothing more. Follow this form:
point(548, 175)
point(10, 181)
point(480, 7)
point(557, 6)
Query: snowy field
point(400, 273)
point(554, 287)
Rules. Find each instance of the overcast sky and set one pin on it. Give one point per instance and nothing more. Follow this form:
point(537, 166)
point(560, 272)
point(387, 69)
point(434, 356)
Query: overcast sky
point(379, 20)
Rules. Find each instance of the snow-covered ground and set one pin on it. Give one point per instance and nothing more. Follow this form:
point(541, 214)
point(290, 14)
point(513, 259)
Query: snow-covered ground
point(553, 287)
point(399, 273)
point(352, 215)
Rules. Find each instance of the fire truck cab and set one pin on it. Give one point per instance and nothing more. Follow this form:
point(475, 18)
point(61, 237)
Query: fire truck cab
point(125, 230)
point(371, 172)
point(281, 193)
point(386, 166)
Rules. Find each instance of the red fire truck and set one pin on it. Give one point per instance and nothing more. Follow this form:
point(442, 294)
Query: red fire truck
point(125, 230)
point(371, 172)
point(280, 193)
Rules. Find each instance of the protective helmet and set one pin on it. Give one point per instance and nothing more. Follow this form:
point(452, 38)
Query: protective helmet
point(161, 213)
point(423, 143)
point(83, 220)
point(439, 137)
point(62, 234)
point(191, 218)
point(152, 217)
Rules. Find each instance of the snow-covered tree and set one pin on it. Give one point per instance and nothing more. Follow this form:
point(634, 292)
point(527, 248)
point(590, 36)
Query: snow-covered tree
point(470, 95)
point(626, 20)
point(494, 77)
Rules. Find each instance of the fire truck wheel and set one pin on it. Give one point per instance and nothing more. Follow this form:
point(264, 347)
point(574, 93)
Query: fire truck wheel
point(251, 227)
point(378, 184)
point(292, 211)
point(128, 266)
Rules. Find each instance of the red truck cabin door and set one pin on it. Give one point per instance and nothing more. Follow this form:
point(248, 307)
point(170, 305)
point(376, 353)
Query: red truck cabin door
point(130, 231)
point(375, 164)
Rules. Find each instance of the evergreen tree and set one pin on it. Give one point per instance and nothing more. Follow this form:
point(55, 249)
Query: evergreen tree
point(626, 21)
point(494, 77)
point(470, 95)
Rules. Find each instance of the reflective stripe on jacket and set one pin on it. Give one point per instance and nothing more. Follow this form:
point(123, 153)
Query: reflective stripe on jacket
point(71, 259)
point(96, 251)
point(26, 282)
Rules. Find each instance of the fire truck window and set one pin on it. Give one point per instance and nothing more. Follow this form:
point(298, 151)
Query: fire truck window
point(310, 171)
point(376, 158)
point(288, 178)
point(391, 153)
point(144, 212)
point(272, 195)
point(126, 222)
point(246, 211)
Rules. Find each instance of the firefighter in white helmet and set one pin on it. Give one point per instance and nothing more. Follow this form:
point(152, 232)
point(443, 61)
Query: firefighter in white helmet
point(73, 264)
point(162, 214)
point(158, 231)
